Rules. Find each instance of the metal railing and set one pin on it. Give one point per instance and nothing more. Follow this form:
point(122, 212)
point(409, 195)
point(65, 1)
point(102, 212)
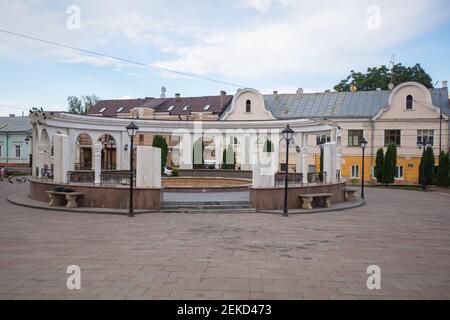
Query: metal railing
point(46, 173)
point(87, 176)
point(117, 177)
point(294, 178)
point(317, 177)
point(83, 166)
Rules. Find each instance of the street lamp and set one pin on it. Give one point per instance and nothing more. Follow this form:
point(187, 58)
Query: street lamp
point(132, 129)
point(424, 143)
point(321, 145)
point(363, 145)
point(287, 136)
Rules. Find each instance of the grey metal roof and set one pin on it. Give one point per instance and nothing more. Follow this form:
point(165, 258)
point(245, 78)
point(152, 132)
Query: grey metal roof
point(360, 104)
point(15, 124)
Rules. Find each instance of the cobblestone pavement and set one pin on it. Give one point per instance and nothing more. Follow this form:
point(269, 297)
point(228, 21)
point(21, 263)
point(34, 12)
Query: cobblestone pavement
point(221, 256)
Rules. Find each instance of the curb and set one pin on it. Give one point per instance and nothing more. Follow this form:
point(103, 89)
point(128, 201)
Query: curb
point(351, 205)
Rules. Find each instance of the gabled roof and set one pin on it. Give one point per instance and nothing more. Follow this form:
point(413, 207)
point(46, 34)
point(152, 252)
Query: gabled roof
point(360, 104)
point(15, 124)
point(197, 104)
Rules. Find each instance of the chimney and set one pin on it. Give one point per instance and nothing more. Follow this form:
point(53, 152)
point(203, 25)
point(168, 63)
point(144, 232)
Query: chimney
point(275, 92)
point(299, 91)
point(378, 89)
point(222, 98)
point(177, 96)
point(445, 84)
point(12, 115)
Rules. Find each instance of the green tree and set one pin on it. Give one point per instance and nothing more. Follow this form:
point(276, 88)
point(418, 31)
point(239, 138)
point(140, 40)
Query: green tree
point(380, 77)
point(81, 105)
point(268, 146)
point(428, 163)
point(389, 164)
point(443, 172)
point(160, 142)
point(379, 165)
point(321, 165)
point(198, 159)
point(228, 158)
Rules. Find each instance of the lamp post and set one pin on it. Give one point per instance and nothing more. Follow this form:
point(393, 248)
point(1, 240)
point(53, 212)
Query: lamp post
point(132, 129)
point(321, 144)
point(111, 145)
point(424, 143)
point(30, 159)
point(287, 136)
point(363, 145)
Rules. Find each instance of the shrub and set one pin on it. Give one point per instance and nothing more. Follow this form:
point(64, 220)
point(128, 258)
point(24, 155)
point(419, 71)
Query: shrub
point(443, 173)
point(379, 165)
point(175, 172)
point(228, 158)
point(160, 142)
point(389, 165)
point(198, 160)
point(268, 146)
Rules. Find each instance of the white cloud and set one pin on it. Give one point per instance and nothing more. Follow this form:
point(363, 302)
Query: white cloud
point(311, 37)
point(258, 5)
point(127, 96)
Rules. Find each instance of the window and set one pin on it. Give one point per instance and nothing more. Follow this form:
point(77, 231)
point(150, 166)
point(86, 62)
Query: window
point(354, 137)
point(18, 150)
point(399, 172)
point(392, 136)
point(170, 108)
point(248, 106)
point(409, 102)
point(428, 134)
point(141, 139)
point(120, 109)
point(206, 107)
point(185, 108)
point(355, 171)
point(101, 110)
point(1, 150)
point(324, 137)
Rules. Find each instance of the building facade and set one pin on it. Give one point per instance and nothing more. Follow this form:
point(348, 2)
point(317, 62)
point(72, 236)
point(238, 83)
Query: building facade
point(14, 146)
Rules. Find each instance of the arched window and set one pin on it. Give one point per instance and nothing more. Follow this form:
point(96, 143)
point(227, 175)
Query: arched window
point(248, 106)
point(409, 102)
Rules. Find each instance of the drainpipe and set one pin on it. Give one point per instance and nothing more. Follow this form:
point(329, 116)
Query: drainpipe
point(7, 148)
point(372, 145)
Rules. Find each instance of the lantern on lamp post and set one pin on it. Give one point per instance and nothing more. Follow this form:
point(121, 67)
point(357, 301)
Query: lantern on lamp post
point(287, 136)
point(132, 130)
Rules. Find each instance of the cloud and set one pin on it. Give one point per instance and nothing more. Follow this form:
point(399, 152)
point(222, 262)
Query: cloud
point(127, 96)
point(310, 37)
point(258, 5)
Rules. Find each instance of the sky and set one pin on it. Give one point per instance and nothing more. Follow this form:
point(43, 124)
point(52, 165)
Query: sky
point(264, 44)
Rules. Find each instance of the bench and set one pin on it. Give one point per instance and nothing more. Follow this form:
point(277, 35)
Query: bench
point(350, 194)
point(307, 199)
point(57, 198)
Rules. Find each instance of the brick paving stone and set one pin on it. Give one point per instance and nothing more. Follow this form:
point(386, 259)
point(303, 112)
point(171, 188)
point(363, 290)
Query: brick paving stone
point(224, 256)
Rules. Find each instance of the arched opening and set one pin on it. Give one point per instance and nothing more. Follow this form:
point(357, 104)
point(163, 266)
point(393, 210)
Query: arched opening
point(109, 153)
point(248, 106)
point(83, 152)
point(409, 102)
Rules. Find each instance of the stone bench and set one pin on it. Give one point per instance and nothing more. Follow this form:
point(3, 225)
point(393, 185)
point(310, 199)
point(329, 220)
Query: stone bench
point(57, 198)
point(307, 199)
point(350, 194)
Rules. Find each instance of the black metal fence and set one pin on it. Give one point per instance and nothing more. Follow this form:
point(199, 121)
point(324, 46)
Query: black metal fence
point(294, 178)
point(87, 176)
point(317, 177)
point(117, 177)
point(47, 173)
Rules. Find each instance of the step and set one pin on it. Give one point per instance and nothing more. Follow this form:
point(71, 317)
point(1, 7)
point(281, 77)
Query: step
point(197, 206)
point(205, 203)
point(211, 210)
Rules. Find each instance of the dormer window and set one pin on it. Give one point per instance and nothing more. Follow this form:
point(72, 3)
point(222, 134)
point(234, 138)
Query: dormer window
point(170, 108)
point(120, 109)
point(206, 107)
point(409, 102)
point(248, 106)
point(101, 110)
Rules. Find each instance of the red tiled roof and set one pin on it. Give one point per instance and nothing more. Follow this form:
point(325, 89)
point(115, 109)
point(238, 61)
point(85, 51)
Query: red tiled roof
point(197, 104)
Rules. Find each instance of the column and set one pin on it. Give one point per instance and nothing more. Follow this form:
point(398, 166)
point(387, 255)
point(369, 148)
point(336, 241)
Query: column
point(97, 161)
point(329, 161)
point(148, 167)
point(38, 160)
point(185, 151)
point(298, 155)
point(264, 170)
point(61, 158)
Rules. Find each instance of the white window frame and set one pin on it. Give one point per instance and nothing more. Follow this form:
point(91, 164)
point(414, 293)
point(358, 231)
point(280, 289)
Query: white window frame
point(399, 169)
point(425, 132)
point(20, 151)
point(120, 109)
point(354, 169)
point(206, 108)
point(1, 150)
point(170, 108)
point(102, 109)
point(326, 136)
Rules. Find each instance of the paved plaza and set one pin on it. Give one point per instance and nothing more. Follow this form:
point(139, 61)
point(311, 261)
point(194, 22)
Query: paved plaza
point(230, 256)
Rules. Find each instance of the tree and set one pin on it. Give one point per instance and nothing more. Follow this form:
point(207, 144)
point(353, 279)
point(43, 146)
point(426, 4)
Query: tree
point(81, 105)
point(389, 164)
point(160, 142)
point(321, 164)
point(428, 163)
point(197, 154)
point(380, 77)
point(379, 165)
point(268, 146)
point(228, 158)
point(443, 172)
